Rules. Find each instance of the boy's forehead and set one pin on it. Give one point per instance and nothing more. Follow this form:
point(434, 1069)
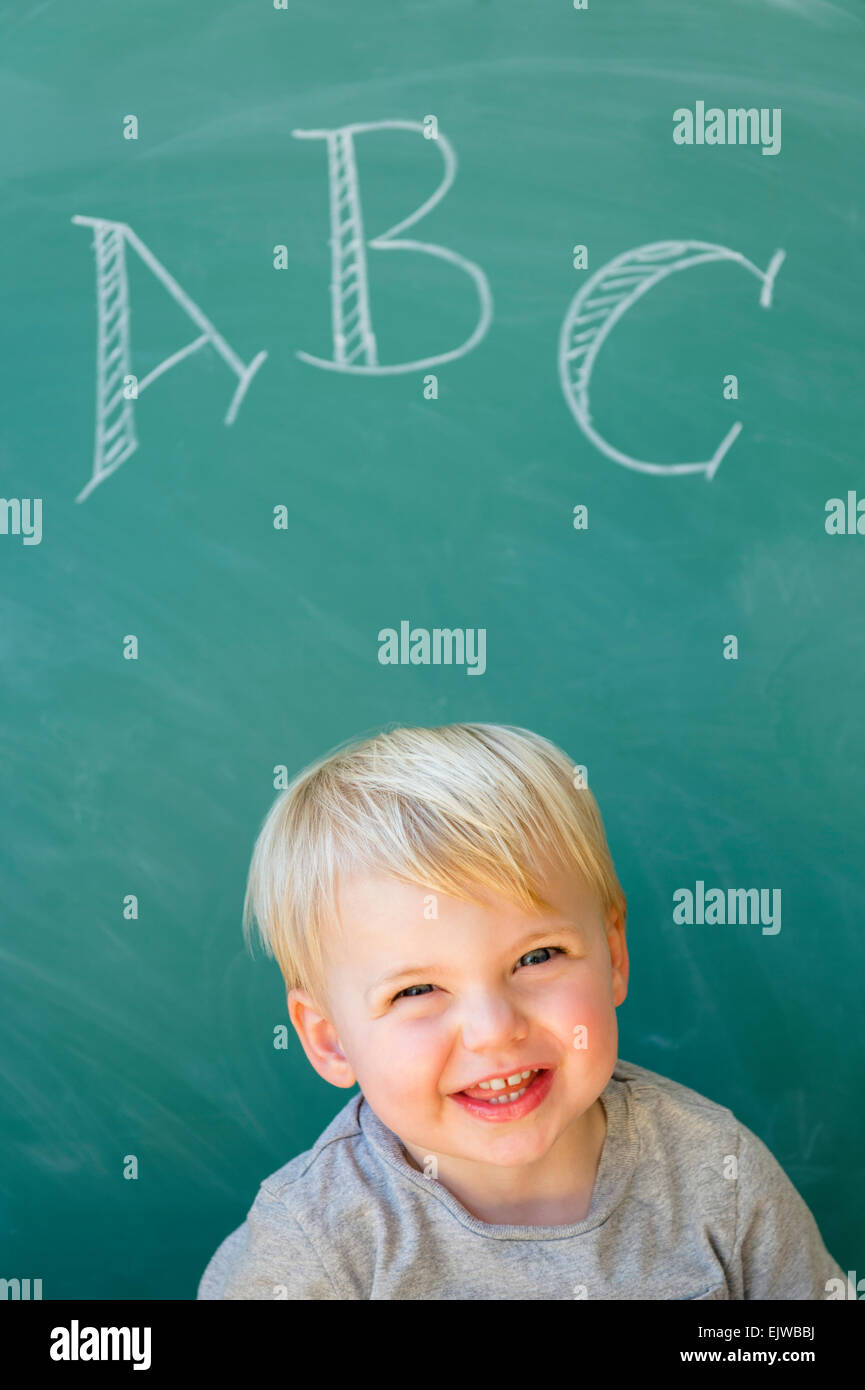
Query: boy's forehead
point(373, 906)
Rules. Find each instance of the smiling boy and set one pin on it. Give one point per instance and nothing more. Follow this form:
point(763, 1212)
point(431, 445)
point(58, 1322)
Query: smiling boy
point(446, 914)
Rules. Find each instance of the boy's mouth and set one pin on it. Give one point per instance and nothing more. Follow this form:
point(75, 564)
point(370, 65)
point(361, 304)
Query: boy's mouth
point(510, 1103)
point(503, 1095)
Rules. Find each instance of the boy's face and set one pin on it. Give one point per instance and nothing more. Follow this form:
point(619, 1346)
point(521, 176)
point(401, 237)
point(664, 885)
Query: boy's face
point(498, 990)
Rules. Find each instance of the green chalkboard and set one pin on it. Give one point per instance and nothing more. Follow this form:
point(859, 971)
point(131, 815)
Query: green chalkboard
point(256, 410)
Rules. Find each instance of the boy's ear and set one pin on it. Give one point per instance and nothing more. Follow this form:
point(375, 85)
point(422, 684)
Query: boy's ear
point(615, 929)
point(319, 1040)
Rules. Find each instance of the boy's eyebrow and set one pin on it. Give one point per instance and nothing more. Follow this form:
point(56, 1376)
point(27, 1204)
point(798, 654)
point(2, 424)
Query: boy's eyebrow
point(556, 928)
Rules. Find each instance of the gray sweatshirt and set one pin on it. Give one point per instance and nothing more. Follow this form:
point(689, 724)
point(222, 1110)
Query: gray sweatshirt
point(352, 1219)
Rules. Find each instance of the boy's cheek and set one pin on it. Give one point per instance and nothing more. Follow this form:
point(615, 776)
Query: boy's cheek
point(587, 1005)
point(407, 1058)
point(587, 1024)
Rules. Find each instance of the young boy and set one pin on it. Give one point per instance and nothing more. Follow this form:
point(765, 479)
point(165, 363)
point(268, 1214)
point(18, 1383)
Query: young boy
point(444, 909)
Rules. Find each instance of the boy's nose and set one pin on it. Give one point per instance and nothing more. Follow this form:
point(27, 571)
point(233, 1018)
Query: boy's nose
point(490, 1023)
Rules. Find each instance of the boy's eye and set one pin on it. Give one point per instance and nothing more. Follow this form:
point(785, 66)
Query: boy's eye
point(538, 950)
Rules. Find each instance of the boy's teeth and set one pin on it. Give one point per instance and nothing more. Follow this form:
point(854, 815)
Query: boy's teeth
point(508, 1099)
point(501, 1084)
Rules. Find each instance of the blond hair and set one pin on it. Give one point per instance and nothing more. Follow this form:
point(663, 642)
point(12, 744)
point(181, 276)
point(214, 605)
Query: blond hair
point(463, 809)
